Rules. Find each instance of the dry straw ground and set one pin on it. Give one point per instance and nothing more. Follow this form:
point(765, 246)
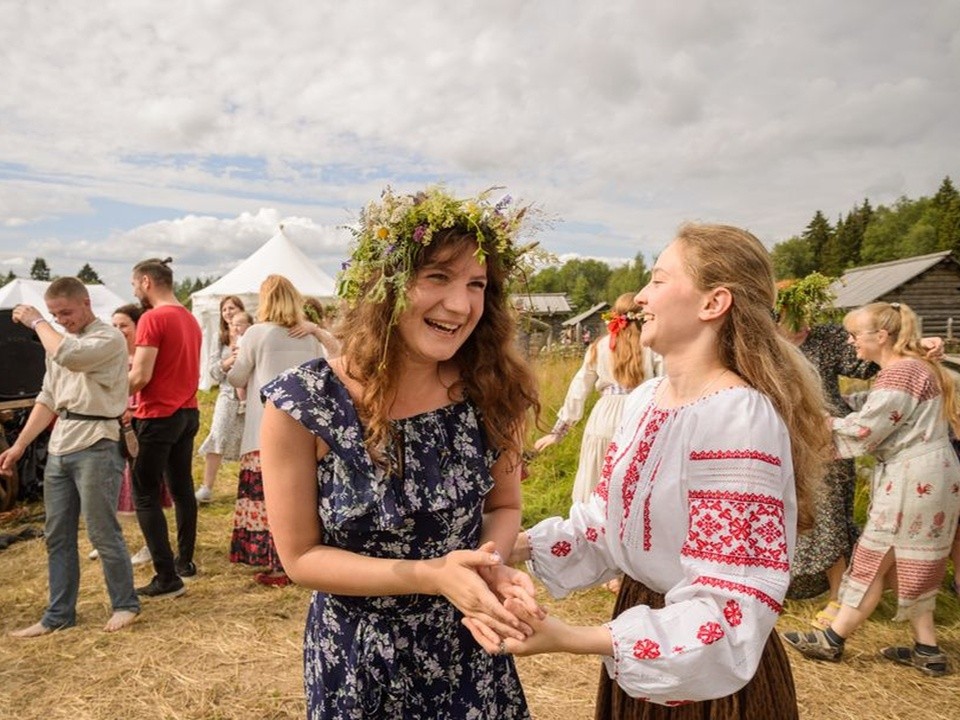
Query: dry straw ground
point(230, 649)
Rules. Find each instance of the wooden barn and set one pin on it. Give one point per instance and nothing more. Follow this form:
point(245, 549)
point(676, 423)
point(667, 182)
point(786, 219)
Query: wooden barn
point(929, 284)
point(541, 318)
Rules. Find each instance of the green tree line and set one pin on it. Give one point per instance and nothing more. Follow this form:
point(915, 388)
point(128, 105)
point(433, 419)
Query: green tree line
point(863, 236)
point(868, 235)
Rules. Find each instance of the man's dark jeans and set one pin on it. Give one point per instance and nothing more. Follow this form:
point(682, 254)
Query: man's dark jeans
point(166, 448)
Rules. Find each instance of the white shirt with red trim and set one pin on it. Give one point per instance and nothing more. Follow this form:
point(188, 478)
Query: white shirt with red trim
point(698, 503)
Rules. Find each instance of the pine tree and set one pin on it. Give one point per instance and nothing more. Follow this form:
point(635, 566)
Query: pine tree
point(88, 276)
point(9, 277)
point(831, 257)
point(818, 235)
point(948, 232)
point(39, 270)
point(945, 195)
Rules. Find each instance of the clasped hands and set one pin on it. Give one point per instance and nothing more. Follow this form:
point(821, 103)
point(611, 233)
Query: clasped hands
point(498, 602)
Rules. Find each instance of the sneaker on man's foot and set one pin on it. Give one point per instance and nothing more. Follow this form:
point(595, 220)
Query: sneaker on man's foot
point(159, 589)
point(141, 557)
point(186, 570)
point(204, 495)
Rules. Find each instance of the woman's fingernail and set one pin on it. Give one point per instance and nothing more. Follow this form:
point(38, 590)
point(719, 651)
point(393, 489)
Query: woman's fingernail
point(496, 557)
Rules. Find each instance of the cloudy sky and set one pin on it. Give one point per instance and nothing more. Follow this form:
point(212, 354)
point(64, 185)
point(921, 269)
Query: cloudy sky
point(133, 128)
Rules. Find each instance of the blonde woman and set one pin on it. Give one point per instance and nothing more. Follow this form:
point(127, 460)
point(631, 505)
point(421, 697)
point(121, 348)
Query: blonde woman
point(705, 482)
point(904, 421)
point(614, 365)
point(264, 351)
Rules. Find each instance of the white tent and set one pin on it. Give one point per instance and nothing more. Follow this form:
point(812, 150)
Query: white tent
point(19, 291)
point(277, 256)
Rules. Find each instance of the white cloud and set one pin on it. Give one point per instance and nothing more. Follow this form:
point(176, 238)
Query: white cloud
point(627, 117)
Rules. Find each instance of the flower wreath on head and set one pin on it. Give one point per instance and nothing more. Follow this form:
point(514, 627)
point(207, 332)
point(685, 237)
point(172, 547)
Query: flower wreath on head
point(617, 321)
point(393, 232)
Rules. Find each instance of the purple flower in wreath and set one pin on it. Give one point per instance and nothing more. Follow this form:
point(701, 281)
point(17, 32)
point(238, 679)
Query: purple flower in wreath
point(504, 201)
point(388, 250)
point(419, 232)
point(345, 264)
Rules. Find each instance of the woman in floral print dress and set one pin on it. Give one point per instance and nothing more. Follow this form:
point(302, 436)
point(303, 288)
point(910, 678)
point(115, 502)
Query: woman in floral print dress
point(392, 472)
point(822, 553)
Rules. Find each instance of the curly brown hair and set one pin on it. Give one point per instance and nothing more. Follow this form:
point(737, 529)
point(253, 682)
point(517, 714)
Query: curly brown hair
point(493, 374)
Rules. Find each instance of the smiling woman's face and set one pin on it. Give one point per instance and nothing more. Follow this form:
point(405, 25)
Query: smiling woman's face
point(445, 304)
point(865, 338)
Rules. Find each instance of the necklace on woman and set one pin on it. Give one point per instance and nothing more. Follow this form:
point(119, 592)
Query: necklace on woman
point(710, 383)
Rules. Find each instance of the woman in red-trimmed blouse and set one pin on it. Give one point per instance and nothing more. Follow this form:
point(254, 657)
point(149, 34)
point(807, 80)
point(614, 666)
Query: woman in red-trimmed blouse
point(698, 501)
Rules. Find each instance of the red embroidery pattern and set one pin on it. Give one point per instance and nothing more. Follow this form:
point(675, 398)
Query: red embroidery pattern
point(591, 534)
point(678, 649)
point(924, 489)
point(741, 589)
point(745, 529)
point(732, 612)
point(647, 524)
point(603, 490)
point(709, 633)
point(561, 548)
point(646, 649)
point(632, 476)
point(608, 463)
point(896, 416)
point(735, 455)
point(908, 376)
point(677, 703)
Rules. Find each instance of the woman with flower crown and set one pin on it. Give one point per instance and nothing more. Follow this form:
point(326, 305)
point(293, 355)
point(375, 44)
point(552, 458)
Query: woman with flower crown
point(392, 473)
point(614, 365)
point(698, 503)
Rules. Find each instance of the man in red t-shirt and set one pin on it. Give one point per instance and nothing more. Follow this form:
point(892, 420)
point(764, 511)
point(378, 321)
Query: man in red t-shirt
point(166, 372)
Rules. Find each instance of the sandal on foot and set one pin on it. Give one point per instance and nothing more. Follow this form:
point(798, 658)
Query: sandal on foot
point(932, 665)
point(813, 645)
point(826, 616)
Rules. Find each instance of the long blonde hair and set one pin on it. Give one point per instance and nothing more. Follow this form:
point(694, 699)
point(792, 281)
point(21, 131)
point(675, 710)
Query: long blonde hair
point(280, 302)
point(749, 345)
point(901, 324)
point(627, 351)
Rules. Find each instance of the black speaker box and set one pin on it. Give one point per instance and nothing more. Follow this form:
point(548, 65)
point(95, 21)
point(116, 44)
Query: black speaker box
point(21, 360)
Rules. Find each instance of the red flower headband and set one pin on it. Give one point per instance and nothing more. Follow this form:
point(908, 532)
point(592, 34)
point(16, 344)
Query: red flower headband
point(617, 322)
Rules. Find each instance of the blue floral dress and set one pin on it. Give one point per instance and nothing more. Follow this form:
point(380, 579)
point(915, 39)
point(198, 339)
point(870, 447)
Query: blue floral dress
point(398, 656)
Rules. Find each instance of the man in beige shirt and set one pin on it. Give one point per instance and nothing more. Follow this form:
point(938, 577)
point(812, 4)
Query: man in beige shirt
point(85, 387)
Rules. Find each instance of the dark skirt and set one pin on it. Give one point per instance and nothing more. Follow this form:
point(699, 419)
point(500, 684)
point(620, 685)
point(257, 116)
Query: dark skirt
point(768, 696)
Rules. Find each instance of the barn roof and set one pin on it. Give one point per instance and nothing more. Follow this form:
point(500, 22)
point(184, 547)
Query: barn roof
point(542, 303)
point(866, 284)
point(585, 314)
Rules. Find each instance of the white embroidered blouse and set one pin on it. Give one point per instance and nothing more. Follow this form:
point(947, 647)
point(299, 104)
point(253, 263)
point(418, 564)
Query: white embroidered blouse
point(698, 503)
